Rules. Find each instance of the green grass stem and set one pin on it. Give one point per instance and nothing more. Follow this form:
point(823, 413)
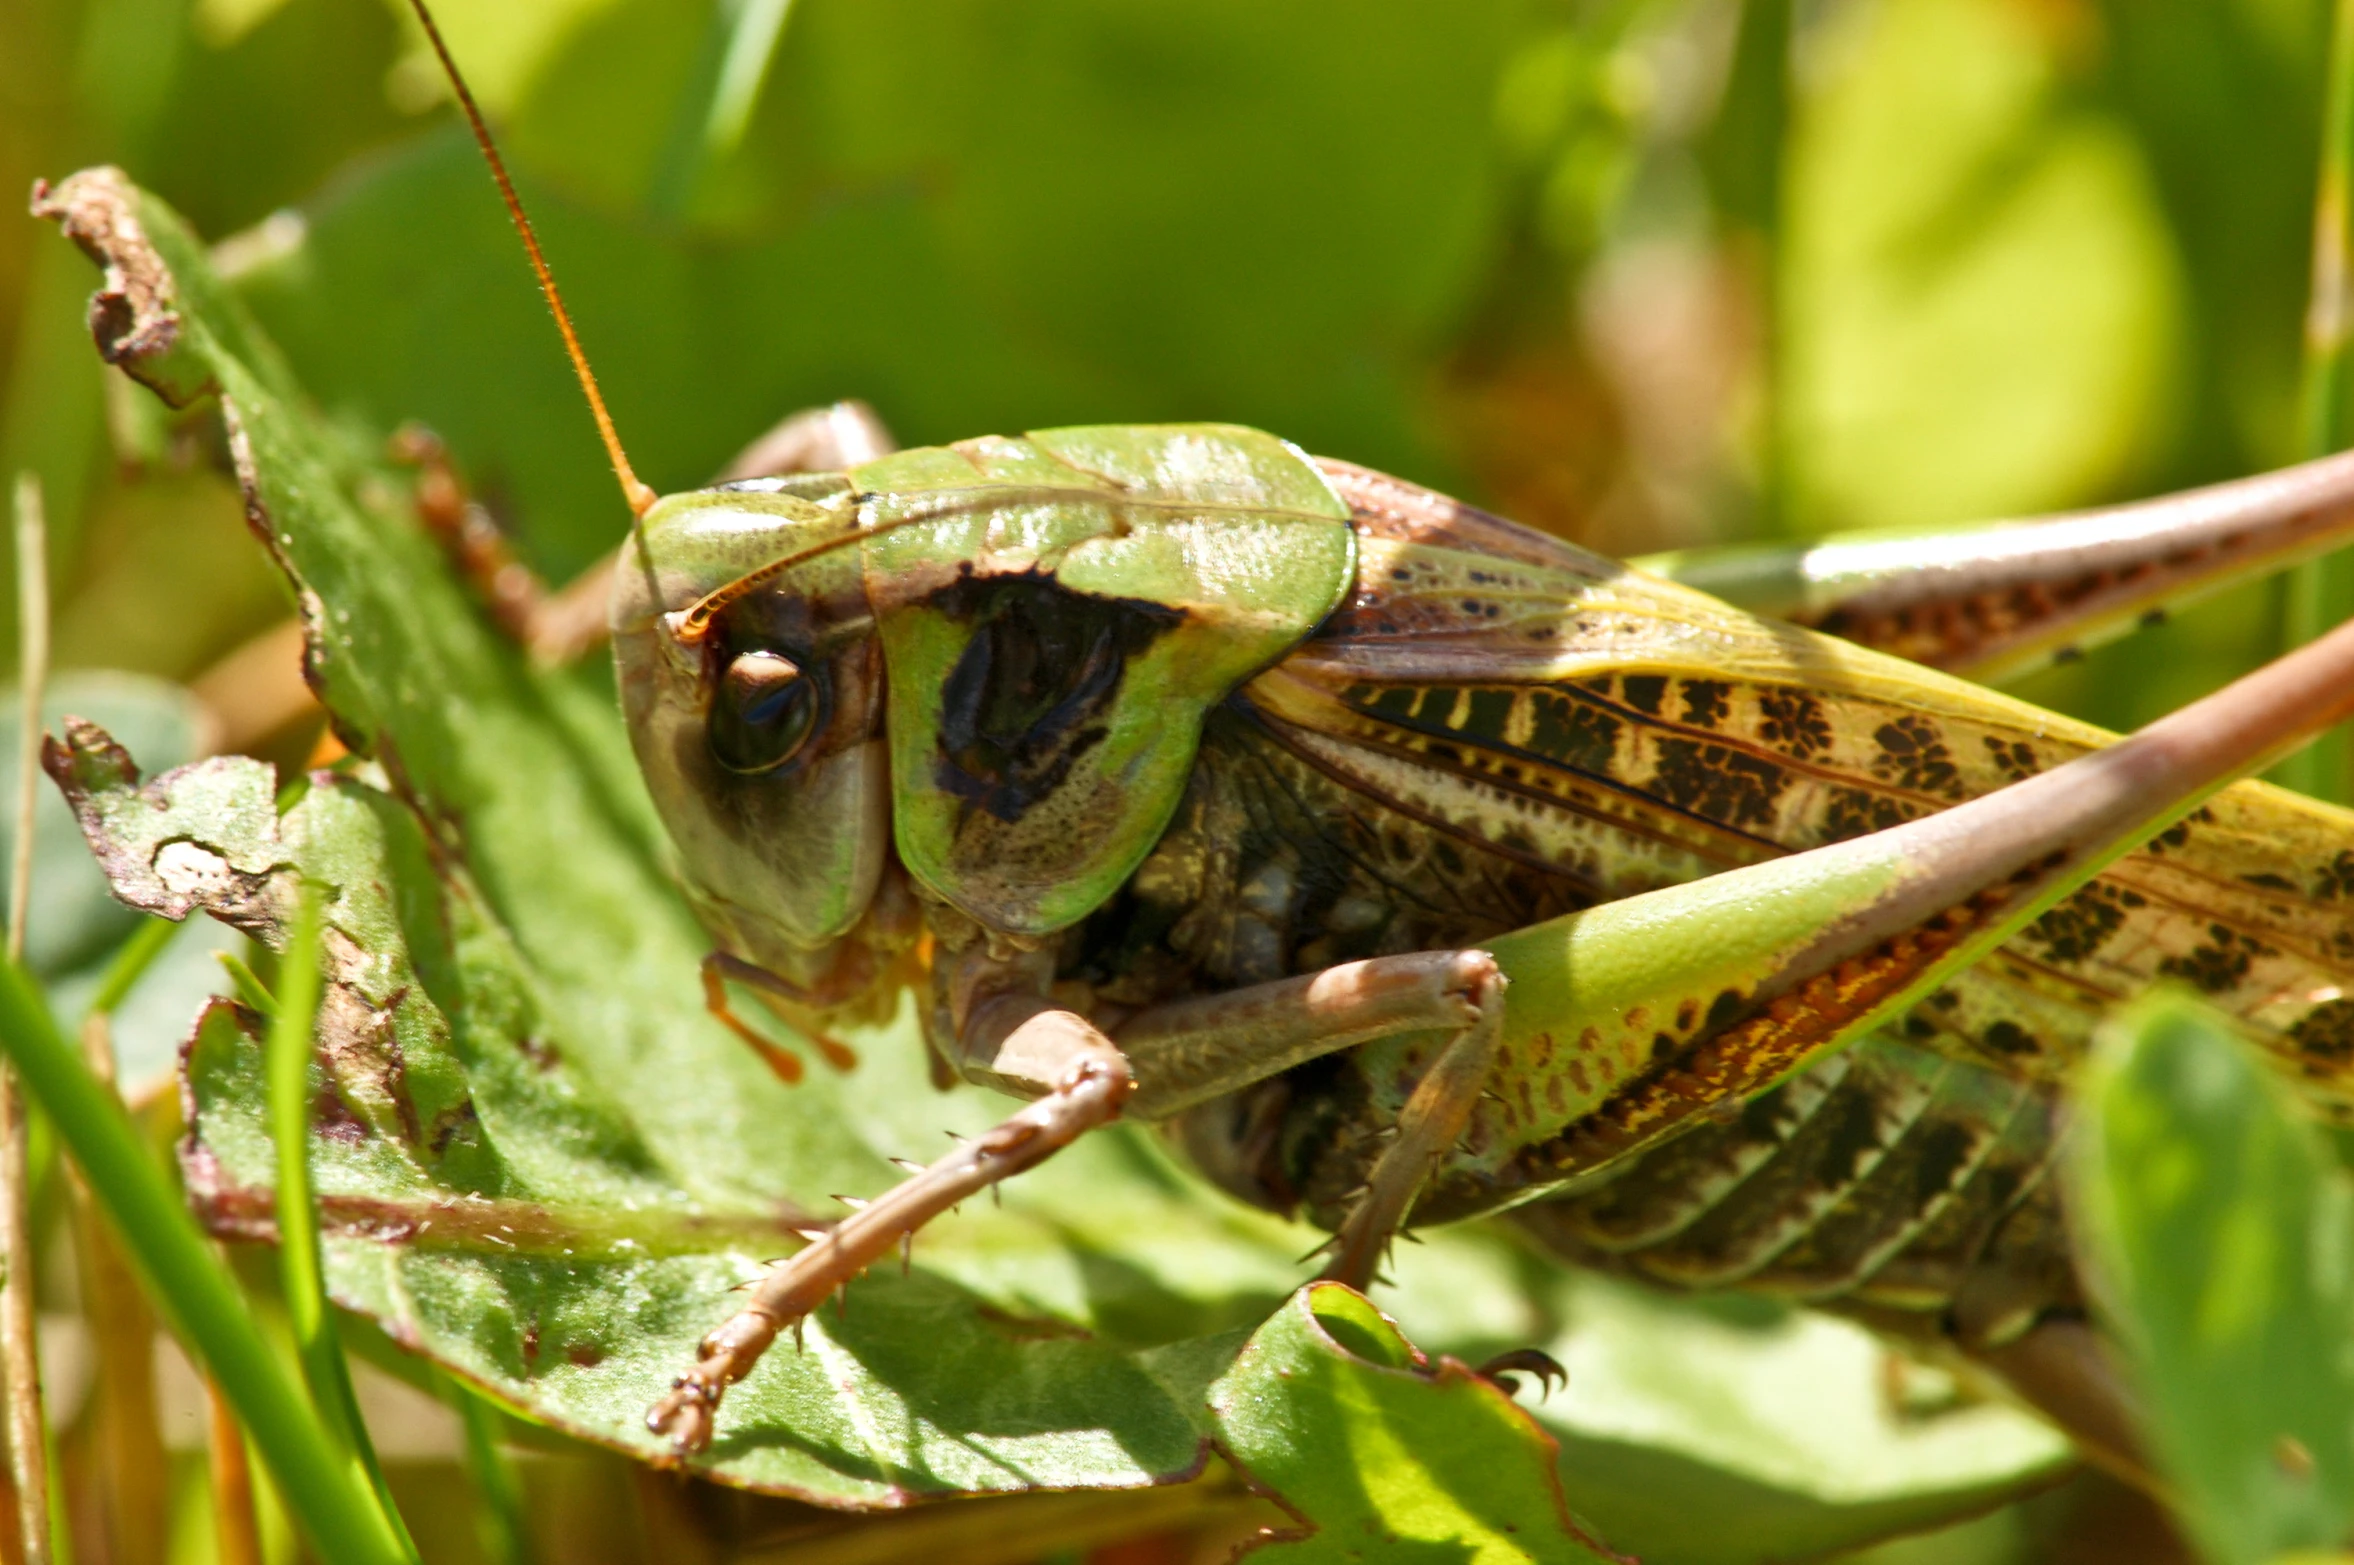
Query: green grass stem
point(191, 1286)
point(252, 993)
point(501, 1517)
point(2320, 592)
point(301, 1264)
point(131, 961)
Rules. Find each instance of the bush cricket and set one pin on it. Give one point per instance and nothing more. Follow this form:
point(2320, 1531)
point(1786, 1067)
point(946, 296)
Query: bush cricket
point(1407, 865)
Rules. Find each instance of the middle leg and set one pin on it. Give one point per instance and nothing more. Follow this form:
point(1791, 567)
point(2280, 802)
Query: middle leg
point(1186, 1053)
point(1085, 1080)
point(1166, 1058)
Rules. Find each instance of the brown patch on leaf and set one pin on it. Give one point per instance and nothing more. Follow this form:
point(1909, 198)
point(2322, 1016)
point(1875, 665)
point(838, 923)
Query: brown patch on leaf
point(236, 870)
point(133, 315)
point(360, 1047)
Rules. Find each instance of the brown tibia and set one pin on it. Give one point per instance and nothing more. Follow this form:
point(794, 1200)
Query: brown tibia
point(1194, 1050)
point(1088, 1080)
point(1434, 1118)
point(794, 1004)
point(561, 625)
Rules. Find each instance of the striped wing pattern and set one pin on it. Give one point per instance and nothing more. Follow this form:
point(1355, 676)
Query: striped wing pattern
point(1501, 725)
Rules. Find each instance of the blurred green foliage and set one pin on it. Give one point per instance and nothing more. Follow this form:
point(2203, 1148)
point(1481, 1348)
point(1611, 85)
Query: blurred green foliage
point(2222, 1231)
point(2025, 253)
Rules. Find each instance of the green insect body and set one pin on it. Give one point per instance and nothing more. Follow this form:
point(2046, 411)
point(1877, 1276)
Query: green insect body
point(1129, 717)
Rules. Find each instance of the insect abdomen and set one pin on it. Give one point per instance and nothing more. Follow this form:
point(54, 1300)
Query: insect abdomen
point(1878, 1181)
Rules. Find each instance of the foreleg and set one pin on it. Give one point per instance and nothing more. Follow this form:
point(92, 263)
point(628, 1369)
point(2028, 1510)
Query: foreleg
point(796, 1005)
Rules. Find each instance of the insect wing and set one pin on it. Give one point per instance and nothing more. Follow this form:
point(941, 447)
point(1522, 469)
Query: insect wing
point(1624, 733)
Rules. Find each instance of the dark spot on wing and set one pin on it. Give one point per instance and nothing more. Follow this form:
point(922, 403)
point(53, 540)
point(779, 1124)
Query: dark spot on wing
point(2336, 878)
point(1706, 702)
point(2074, 930)
point(1644, 692)
point(2008, 1038)
point(1720, 784)
point(1852, 812)
point(1573, 733)
point(1793, 722)
point(2015, 757)
point(1854, 1135)
point(2218, 964)
point(1945, 1147)
point(1913, 755)
point(2326, 1032)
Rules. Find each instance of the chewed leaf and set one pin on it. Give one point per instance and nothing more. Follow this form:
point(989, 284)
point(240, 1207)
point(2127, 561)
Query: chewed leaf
point(1379, 1452)
point(207, 837)
point(494, 1205)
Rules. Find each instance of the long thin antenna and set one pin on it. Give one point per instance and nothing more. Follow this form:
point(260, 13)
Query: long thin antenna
point(639, 497)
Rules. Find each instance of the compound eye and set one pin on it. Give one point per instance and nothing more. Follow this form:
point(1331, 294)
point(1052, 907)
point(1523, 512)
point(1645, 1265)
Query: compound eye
point(762, 713)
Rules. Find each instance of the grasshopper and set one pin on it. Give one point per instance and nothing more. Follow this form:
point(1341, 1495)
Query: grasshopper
point(1404, 864)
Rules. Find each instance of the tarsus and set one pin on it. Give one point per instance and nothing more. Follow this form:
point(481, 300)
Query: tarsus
point(635, 493)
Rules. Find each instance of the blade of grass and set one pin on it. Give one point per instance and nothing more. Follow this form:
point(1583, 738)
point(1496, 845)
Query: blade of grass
point(2320, 592)
point(252, 993)
point(237, 1538)
point(131, 961)
point(499, 1515)
point(20, 1356)
point(130, 1442)
point(300, 1264)
point(130, 1448)
point(192, 1288)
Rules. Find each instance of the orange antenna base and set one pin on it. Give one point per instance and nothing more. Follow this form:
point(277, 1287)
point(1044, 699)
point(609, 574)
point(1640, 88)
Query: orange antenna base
point(639, 497)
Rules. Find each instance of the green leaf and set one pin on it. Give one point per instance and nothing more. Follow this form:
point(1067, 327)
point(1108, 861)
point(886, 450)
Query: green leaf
point(543, 1166)
point(76, 922)
point(1382, 1455)
point(2218, 1231)
point(1717, 1432)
